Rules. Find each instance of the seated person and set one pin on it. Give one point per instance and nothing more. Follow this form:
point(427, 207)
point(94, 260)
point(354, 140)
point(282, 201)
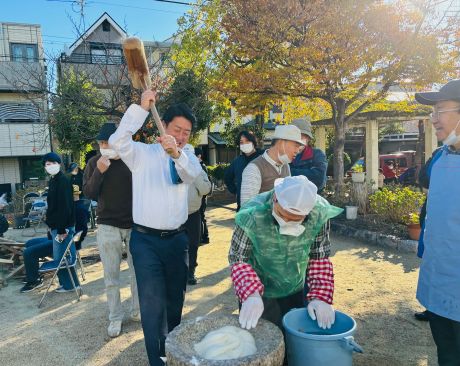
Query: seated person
point(34, 250)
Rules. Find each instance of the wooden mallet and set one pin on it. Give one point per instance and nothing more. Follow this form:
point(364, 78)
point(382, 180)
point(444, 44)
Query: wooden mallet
point(138, 70)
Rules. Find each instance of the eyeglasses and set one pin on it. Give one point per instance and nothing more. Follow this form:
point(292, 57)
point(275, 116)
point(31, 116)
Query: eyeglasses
point(436, 114)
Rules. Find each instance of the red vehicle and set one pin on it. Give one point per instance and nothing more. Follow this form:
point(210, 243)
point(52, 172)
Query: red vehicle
point(402, 160)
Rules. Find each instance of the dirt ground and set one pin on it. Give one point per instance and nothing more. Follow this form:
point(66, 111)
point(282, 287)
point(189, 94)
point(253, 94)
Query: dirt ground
point(375, 286)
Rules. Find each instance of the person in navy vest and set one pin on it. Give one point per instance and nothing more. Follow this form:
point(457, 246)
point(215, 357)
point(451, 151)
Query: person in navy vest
point(438, 287)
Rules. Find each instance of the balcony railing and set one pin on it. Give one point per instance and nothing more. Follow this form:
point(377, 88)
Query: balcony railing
point(82, 58)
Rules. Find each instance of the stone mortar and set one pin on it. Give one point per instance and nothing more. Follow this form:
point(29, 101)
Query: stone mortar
point(180, 352)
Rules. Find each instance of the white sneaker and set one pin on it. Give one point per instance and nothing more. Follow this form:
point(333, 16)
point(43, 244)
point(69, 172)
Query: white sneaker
point(135, 316)
point(114, 328)
point(61, 289)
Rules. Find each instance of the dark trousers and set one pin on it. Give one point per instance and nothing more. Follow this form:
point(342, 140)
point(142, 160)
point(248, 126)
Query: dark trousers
point(161, 266)
point(193, 228)
point(275, 309)
point(204, 224)
point(35, 249)
point(446, 335)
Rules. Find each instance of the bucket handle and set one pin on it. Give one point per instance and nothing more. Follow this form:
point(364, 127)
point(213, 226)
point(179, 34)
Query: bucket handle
point(351, 345)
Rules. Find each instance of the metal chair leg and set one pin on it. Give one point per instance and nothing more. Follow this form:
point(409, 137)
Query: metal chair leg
point(82, 270)
point(77, 292)
point(50, 283)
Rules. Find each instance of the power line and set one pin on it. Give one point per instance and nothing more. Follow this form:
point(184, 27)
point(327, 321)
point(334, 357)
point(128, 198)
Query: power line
point(176, 2)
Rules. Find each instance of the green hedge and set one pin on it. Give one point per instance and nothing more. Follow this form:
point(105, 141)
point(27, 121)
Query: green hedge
point(217, 171)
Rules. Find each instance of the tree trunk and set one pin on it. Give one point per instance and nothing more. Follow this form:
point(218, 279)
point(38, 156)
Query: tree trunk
point(339, 145)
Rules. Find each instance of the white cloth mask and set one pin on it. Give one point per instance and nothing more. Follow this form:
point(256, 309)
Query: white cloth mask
point(109, 153)
point(247, 148)
point(453, 138)
point(53, 169)
point(284, 159)
point(291, 228)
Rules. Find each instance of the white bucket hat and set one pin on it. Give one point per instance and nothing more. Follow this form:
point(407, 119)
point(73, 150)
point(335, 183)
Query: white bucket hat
point(296, 195)
point(288, 132)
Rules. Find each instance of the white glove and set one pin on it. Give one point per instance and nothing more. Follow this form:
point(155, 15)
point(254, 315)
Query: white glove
point(251, 311)
point(323, 312)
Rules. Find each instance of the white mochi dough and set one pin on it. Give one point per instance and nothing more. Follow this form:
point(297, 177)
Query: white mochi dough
point(226, 343)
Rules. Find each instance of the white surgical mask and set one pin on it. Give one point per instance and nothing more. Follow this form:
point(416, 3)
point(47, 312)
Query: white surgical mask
point(453, 138)
point(247, 148)
point(291, 228)
point(75, 172)
point(53, 169)
point(109, 153)
point(284, 159)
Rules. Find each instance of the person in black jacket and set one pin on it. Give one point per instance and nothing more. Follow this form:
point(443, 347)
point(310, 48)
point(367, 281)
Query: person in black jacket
point(233, 174)
point(60, 217)
point(76, 177)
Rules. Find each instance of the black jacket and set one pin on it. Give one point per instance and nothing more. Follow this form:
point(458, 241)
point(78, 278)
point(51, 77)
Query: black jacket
point(61, 209)
point(78, 180)
point(234, 173)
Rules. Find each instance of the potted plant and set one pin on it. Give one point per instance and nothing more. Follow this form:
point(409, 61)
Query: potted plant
point(357, 173)
point(413, 226)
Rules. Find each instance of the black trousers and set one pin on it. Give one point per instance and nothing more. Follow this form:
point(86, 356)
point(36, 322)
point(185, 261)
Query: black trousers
point(161, 265)
point(446, 335)
point(204, 224)
point(275, 309)
point(193, 228)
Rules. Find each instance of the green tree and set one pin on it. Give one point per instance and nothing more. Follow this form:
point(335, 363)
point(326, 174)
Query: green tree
point(76, 116)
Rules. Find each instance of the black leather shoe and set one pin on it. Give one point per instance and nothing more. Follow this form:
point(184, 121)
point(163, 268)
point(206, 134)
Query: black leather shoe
point(192, 280)
point(422, 316)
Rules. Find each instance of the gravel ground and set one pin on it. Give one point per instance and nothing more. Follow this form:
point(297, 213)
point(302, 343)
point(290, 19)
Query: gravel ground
point(375, 286)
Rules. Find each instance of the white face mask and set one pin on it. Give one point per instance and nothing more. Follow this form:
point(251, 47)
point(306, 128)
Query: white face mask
point(53, 169)
point(453, 138)
point(291, 228)
point(75, 172)
point(109, 153)
point(247, 148)
point(284, 159)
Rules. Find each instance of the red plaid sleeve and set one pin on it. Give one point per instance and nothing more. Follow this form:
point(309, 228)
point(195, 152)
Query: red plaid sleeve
point(320, 280)
point(245, 281)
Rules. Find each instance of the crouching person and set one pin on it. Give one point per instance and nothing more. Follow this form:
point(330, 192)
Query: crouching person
point(271, 249)
point(108, 181)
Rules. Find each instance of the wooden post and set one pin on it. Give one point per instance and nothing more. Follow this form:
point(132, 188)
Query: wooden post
point(359, 195)
point(431, 142)
point(372, 153)
point(320, 138)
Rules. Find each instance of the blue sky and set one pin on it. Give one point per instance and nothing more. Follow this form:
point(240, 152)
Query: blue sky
point(147, 19)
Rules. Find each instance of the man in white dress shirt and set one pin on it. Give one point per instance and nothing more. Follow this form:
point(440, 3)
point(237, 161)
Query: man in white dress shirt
point(161, 175)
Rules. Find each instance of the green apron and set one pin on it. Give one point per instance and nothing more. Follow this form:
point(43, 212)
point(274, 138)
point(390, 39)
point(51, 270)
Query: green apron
point(279, 260)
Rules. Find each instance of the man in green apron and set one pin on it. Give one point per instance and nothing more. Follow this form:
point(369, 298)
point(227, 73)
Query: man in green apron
point(270, 252)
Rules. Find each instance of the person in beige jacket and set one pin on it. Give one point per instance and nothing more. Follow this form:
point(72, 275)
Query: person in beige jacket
point(200, 187)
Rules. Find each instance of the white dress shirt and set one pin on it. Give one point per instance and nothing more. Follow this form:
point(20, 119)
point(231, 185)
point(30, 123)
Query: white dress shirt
point(251, 180)
point(157, 202)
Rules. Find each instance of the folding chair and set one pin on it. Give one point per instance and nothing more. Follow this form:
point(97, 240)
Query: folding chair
point(66, 261)
point(35, 217)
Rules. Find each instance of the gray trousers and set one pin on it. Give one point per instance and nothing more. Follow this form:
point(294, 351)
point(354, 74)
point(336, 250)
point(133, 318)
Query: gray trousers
point(111, 241)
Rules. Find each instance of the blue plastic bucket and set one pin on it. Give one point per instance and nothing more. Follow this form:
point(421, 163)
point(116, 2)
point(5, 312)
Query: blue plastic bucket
point(308, 344)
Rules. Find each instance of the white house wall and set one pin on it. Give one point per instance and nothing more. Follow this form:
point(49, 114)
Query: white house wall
point(9, 171)
point(23, 139)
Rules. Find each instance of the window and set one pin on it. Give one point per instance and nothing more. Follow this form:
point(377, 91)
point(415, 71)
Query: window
point(111, 56)
point(105, 26)
point(21, 52)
